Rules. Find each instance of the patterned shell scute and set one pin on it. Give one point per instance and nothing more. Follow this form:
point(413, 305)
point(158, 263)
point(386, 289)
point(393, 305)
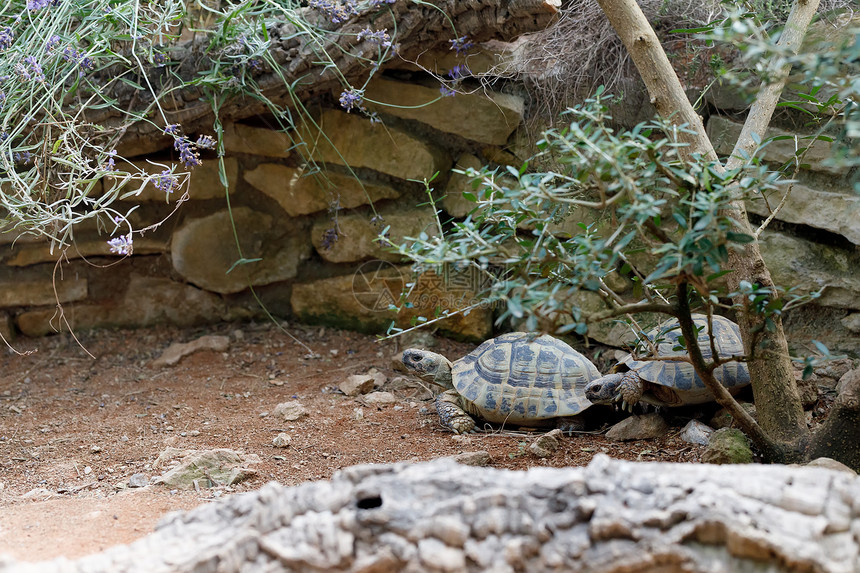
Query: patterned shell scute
point(517, 378)
point(681, 375)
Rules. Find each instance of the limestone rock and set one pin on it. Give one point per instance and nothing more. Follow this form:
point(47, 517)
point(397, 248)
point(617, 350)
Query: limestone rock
point(357, 235)
point(357, 384)
point(88, 245)
point(282, 440)
point(146, 301)
point(204, 250)
point(453, 202)
point(7, 327)
point(33, 288)
point(301, 194)
point(179, 350)
point(138, 480)
point(483, 116)
point(835, 212)
point(724, 132)
point(612, 515)
point(204, 182)
point(849, 378)
point(352, 140)
point(812, 266)
point(695, 432)
point(852, 322)
point(830, 464)
point(380, 398)
point(241, 138)
point(545, 445)
point(728, 446)
point(290, 411)
point(478, 458)
point(208, 468)
point(638, 428)
point(360, 301)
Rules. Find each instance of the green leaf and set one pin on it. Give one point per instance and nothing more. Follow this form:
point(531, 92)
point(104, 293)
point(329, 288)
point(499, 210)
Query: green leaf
point(242, 261)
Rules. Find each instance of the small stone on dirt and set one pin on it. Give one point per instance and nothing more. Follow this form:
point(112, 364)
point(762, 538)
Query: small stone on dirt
point(138, 480)
point(207, 468)
point(830, 464)
point(179, 350)
point(357, 384)
point(695, 432)
point(380, 398)
point(728, 446)
point(282, 440)
point(545, 445)
point(289, 411)
point(642, 427)
point(478, 458)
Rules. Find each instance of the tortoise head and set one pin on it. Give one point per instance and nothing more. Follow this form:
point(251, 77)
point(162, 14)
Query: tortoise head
point(432, 367)
point(604, 389)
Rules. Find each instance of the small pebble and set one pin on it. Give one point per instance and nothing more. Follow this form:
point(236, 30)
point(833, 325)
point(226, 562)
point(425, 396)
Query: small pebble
point(138, 480)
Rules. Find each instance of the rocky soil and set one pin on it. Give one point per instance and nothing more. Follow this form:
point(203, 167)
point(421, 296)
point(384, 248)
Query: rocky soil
point(83, 425)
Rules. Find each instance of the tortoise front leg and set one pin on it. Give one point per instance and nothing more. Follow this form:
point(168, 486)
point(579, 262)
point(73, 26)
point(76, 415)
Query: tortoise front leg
point(452, 415)
point(629, 390)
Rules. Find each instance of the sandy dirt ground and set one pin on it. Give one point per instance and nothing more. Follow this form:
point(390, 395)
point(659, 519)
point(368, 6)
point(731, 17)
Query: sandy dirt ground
point(74, 428)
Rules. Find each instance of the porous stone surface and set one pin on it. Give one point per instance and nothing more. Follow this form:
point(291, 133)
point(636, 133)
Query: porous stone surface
point(358, 235)
point(241, 138)
point(301, 193)
point(360, 301)
point(724, 133)
point(204, 250)
point(812, 266)
point(484, 116)
point(146, 301)
point(442, 516)
point(834, 212)
point(638, 428)
point(352, 140)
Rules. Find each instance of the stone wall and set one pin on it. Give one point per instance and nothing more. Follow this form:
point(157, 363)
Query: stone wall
point(309, 235)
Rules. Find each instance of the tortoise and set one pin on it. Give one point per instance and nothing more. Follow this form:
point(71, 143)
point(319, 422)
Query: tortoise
point(516, 378)
point(672, 383)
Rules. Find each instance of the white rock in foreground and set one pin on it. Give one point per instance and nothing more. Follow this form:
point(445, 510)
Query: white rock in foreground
point(609, 516)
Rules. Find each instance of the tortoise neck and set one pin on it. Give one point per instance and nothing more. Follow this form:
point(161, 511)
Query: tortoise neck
point(444, 376)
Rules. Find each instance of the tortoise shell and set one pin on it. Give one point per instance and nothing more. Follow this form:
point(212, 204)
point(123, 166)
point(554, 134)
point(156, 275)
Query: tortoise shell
point(520, 378)
point(681, 376)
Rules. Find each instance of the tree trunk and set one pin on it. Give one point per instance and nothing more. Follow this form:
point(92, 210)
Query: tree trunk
point(611, 516)
point(776, 395)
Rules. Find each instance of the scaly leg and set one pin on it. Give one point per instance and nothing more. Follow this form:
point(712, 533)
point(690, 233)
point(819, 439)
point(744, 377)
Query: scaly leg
point(452, 415)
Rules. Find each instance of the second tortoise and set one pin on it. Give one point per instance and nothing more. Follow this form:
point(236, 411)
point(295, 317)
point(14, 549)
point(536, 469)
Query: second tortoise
point(517, 378)
point(674, 383)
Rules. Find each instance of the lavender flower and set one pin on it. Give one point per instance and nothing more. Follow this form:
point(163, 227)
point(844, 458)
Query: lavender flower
point(187, 152)
point(336, 10)
point(446, 91)
point(205, 142)
point(160, 59)
point(22, 158)
point(52, 43)
point(166, 182)
point(459, 72)
point(110, 165)
point(122, 245)
point(171, 129)
point(377, 3)
point(34, 5)
point(379, 37)
point(2, 103)
point(84, 62)
point(7, 37)
point(461, 45)
point(351, 99)
point(329, 238)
